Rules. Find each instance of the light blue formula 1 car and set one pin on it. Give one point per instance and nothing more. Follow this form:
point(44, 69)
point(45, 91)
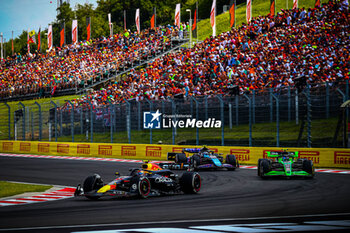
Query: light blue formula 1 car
point(200, 159)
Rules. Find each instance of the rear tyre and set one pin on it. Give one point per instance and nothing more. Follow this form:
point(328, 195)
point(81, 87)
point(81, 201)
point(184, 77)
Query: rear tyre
point(180, 158)
point(144, 187)
point(231, 159)
point(92, 183)
point(190, 182)
point(308, 166)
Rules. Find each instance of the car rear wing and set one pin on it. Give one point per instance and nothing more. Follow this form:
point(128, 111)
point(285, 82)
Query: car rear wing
point(275, 154)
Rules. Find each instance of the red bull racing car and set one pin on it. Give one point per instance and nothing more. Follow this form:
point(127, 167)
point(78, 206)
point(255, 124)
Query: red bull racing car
point(149, 180)
point(200, 159)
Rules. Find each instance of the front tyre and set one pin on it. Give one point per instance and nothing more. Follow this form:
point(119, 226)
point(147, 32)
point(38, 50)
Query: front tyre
point(92, 183)
point(190, 182)
point(308, 166)
point(231, 159)
point(144, 187)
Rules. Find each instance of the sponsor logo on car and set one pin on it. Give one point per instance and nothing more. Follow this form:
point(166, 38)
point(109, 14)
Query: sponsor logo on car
point(162, 180)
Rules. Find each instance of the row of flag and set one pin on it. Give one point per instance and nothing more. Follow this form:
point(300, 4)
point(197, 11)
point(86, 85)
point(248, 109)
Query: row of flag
point(31, 35)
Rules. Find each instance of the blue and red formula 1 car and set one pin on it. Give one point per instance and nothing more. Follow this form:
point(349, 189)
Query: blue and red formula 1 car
point(200, 159)
point(149, 180)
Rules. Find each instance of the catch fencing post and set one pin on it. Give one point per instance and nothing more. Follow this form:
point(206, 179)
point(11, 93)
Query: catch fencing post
point(253, 107)
point(237, 109)
point(111, 120)
point(81, 120)
point(139, 115)
point(32, 124)
point(308, 115)
point(72, 119)
point(289, 103)
point(250, 119)
point(327, 100)
point(91, 122)
point(9, 120)
point(206, 107)
point(150, 130)
point(54, 104)
point(277, 120)
point(197, 115)
point(222, 119)
point(230, 115)
point(173, 109)
point(296, 107)
point(24, 121)
point(40, 120)
point(271, 105)
point(128, 120)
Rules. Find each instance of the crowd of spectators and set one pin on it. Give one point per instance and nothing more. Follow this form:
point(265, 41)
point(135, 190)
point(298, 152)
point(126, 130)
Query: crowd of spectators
point(293, 48)
point(74, 66)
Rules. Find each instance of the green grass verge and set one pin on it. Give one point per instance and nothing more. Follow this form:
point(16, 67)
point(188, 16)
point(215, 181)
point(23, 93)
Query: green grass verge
point(14, 105)
point(259, 7)
point(9, 189)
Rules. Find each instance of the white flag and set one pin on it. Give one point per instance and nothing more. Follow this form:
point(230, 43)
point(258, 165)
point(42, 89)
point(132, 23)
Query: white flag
point(177, 15)
point(295, 4)
point(49, 38)
point(249, 11)
point(137, 20)
point(74, 31)
point(110, 24)
point(212, 17)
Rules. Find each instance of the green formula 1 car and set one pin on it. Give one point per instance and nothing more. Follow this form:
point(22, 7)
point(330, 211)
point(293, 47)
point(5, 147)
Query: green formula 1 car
point(286, 164)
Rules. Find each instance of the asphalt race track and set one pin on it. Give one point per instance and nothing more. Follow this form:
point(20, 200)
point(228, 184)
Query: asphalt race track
point(226, 198)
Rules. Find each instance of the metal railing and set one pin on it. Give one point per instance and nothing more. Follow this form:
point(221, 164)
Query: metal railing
point(280, 117)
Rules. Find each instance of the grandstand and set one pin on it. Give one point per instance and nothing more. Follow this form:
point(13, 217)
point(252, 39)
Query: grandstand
point(290, 51)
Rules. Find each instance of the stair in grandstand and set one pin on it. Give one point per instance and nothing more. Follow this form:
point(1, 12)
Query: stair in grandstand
point(176, 44)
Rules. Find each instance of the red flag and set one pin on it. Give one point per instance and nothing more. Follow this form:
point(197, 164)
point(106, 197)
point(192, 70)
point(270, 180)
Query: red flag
point(232, 15)
point(317, 3)
point(272, 8)
point(152, 21)
point(62, 35)
point(249, 11)
point(194, 20)
point(39, 40)
point(295, 4)
point(88, 28)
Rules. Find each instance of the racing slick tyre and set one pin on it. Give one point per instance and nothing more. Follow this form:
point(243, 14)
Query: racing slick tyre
point(259, 161)
point(190, 182)
point(231, 159)
point(309, 167)
point(144, 187)
point(92, 183)
point(180, 158)
point(195, 161)
point(264, 167)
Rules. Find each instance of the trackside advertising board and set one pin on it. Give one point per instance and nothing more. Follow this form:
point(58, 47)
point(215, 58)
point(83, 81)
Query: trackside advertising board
point(322, 157)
